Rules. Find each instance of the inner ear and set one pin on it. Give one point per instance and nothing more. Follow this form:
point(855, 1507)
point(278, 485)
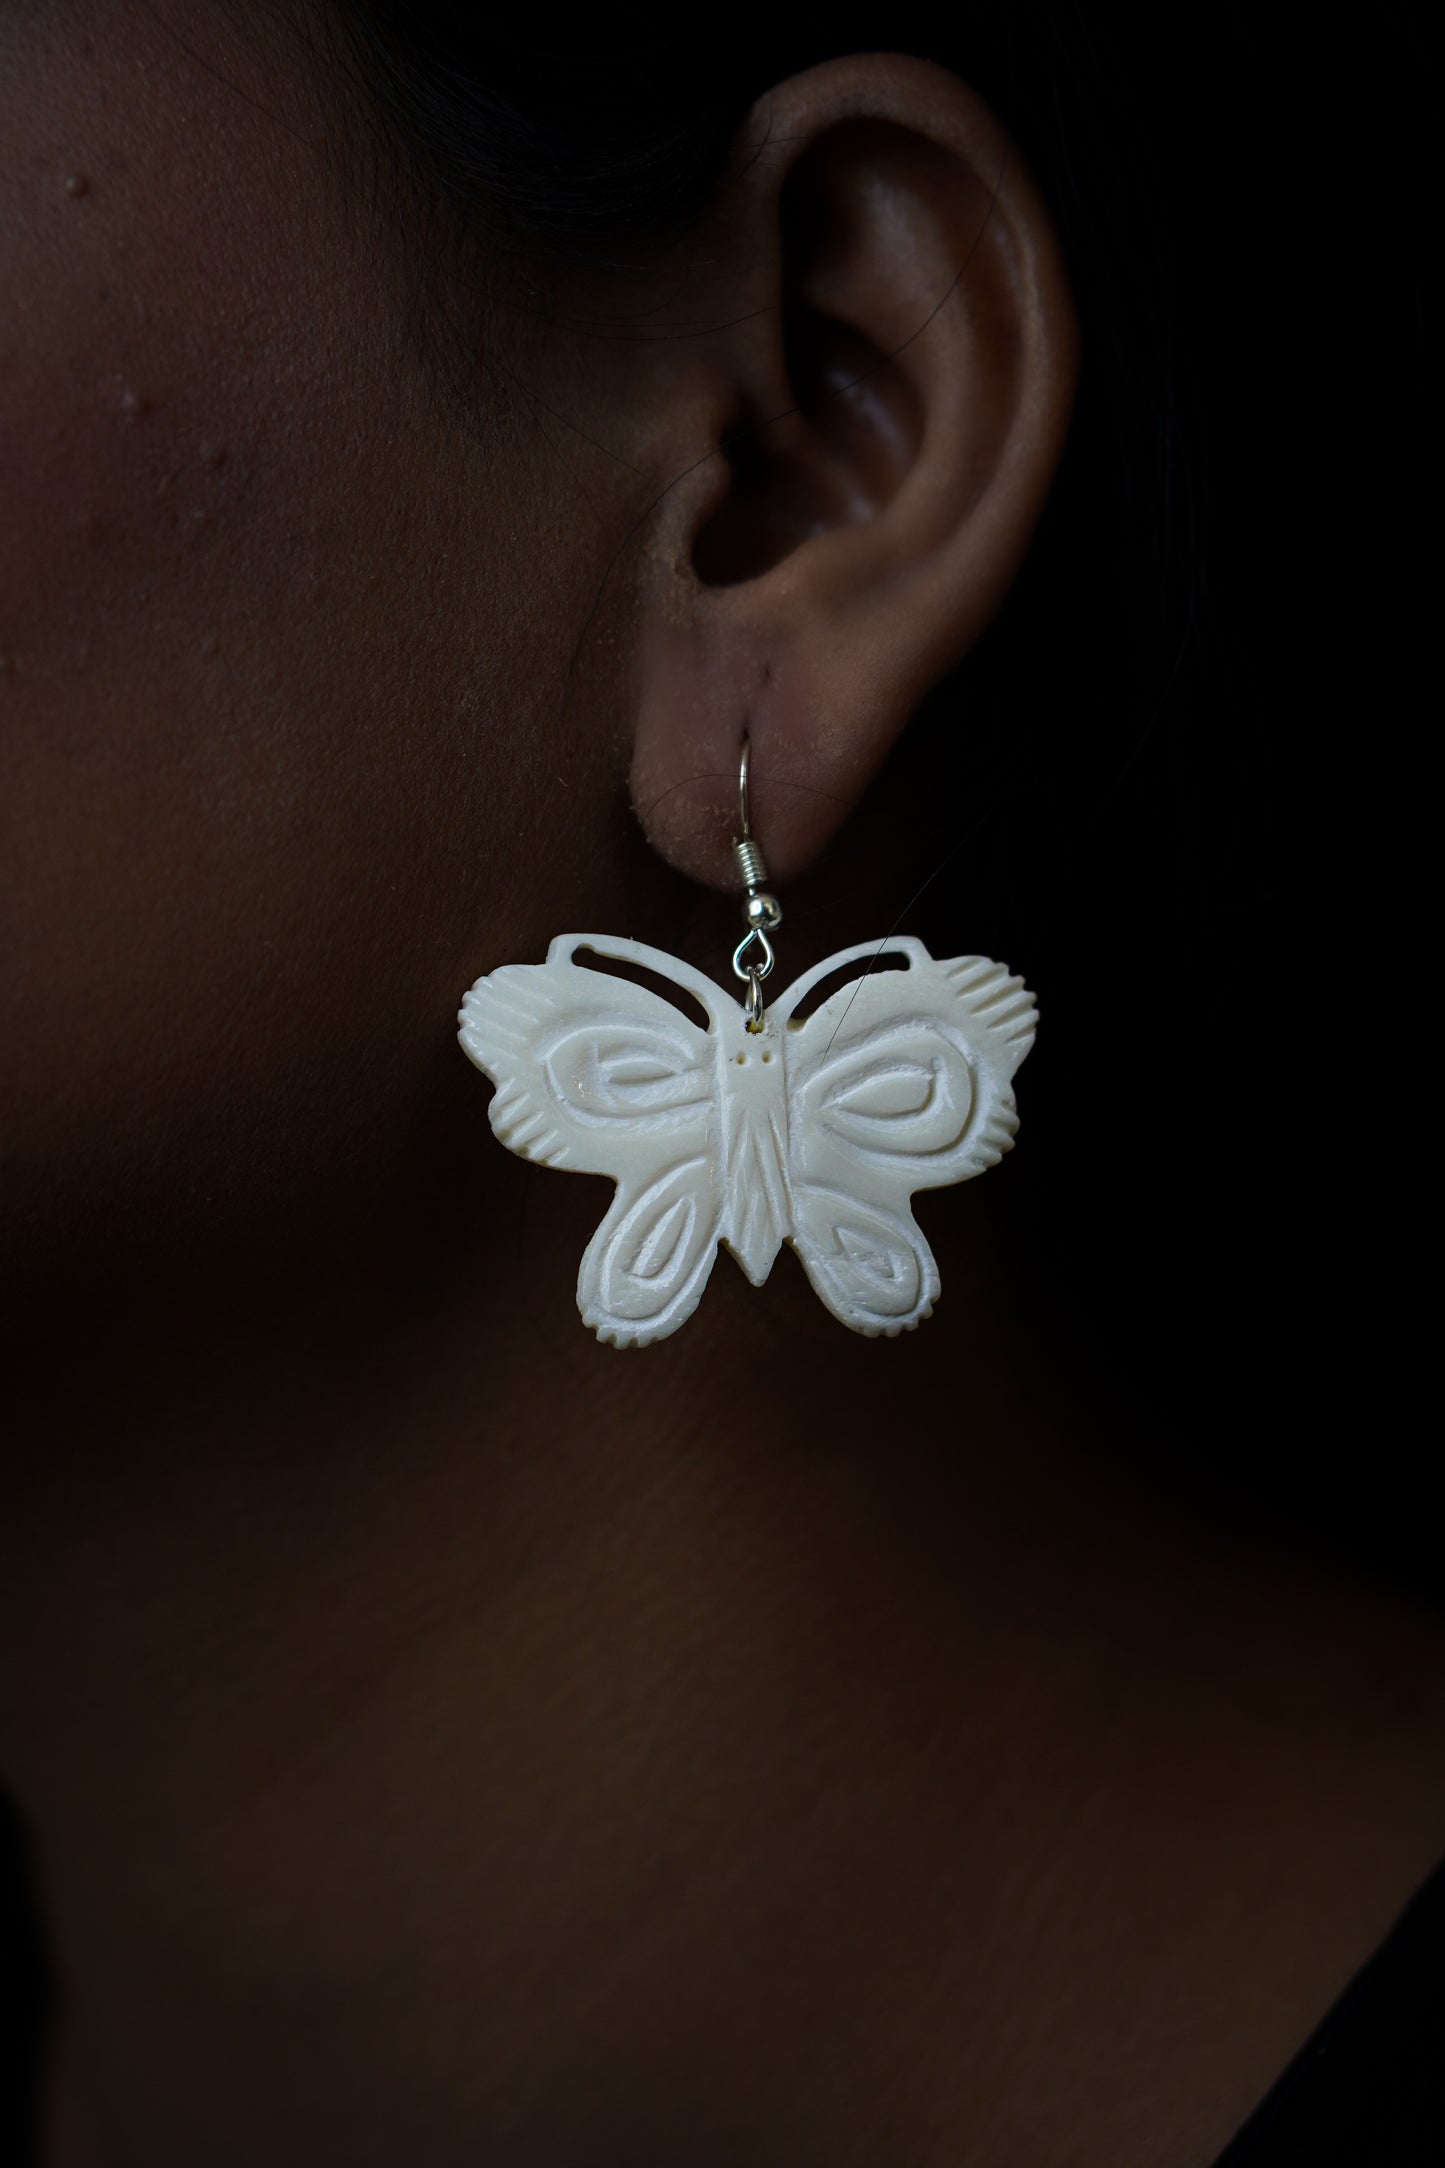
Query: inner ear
point(850, 432)
point(837, 457)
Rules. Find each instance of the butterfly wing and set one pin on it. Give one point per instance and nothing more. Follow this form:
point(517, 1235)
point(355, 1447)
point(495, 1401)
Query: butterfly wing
point(602, 1075)
point(644, 1270)
point(899, 1081)
point(870, 1266)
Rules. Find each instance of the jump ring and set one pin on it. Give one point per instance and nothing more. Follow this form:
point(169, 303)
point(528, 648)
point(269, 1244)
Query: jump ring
point(748, 971)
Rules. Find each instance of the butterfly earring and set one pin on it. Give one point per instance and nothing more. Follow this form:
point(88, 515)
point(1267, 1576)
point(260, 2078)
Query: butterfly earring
point(763, 1128)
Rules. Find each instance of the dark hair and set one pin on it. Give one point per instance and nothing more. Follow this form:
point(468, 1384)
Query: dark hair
point(1105, 775)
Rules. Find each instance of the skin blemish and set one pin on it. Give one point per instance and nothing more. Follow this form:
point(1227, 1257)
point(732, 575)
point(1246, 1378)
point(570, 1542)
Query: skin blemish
point(133, 404)
point(76, 184)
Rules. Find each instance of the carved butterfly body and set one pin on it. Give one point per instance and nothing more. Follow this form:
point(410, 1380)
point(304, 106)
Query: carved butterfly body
point(814, 1132)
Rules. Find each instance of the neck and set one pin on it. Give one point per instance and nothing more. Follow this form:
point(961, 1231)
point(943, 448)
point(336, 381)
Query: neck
point(384, 1628)
point(332, 1447)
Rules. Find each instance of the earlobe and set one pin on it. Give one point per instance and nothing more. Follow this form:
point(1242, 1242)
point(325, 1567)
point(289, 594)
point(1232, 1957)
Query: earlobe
point(886, 420)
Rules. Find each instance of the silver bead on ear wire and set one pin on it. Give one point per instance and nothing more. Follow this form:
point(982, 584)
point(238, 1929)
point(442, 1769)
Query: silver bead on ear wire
point(762, 912)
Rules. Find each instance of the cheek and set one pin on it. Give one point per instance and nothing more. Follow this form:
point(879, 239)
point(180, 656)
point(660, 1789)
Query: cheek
point(118, 504)
point(169, 344)
point(183, 618)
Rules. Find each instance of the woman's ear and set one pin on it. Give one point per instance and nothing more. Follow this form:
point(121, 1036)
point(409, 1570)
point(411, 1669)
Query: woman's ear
point(875, 414)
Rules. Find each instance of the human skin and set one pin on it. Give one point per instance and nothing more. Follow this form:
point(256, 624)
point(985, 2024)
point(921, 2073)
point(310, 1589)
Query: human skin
point(442, 1738)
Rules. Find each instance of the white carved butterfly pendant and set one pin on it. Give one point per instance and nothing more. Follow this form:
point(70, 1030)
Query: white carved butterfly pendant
point(815, 1132)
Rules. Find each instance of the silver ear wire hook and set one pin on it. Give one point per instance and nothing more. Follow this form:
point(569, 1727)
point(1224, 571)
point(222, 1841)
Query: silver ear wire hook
point(762, 912)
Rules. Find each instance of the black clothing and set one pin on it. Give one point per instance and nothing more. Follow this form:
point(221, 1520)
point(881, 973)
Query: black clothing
point(1366, 2091)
